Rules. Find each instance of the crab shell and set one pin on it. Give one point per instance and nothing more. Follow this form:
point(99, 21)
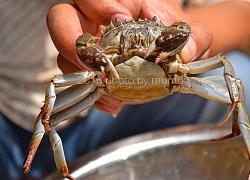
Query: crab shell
point(139, 80)
point(126, 46)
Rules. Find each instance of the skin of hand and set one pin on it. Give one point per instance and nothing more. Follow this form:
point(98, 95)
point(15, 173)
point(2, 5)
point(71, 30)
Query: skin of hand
point(66, 22)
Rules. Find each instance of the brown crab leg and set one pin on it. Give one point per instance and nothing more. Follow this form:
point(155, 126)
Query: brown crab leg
point(230, 112)
point(50, 97)
point(170, 42)
point(240, 126)
point(240, 118)
point(38, 133)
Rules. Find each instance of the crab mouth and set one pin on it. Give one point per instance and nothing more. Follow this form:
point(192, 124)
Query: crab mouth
point(121, 58)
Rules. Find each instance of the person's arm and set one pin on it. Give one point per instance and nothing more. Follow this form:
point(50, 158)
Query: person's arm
point(229, 22)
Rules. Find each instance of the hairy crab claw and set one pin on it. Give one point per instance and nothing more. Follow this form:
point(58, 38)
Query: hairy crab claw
point(93, 58)
point(111, 69)
point(170, 42)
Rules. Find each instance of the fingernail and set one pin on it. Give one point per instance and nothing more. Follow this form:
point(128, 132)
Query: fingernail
point(189, 51)
point(114, 115)
point(121, 17)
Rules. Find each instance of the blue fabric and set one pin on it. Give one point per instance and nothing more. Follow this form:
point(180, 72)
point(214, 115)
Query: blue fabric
point(99, 128)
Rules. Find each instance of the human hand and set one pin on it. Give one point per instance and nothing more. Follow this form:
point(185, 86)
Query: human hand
point(66, 22)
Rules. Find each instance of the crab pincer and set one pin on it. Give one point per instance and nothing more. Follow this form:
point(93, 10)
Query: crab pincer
point(170, 42)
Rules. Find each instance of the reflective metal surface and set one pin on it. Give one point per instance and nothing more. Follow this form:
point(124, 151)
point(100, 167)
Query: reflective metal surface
point(172, 154)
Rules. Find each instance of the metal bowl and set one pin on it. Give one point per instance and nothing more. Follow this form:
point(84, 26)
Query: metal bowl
point(172, 154)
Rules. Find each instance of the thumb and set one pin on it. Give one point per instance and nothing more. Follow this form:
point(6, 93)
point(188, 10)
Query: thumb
point(199, 43)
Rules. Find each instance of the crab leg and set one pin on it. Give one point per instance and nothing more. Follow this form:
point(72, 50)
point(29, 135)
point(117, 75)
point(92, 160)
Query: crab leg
point(229, 75)
point(77, 92)
point(216, 62)
point(202, 66)
point(38, 133)
point(61, 81)
point(43, 119)
point(240, 125)
point(206, 88)
point(243, 123)
point(210, 89)
point(75, 109)
point(58, 153)
point(60, 116)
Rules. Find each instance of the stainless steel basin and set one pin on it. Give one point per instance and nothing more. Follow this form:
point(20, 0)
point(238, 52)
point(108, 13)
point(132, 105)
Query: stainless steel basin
point(172, 154)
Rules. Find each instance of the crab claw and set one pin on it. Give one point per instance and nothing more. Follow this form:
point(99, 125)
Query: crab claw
point(170, 42)
point(91, 55)
point(151, 49)
point(162, 56)
point(109, 65)
point(112, 69)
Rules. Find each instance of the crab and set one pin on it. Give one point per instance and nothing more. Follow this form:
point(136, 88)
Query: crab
point(138, 61)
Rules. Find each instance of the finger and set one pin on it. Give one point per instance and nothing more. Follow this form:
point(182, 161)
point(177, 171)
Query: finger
point(150, 8)
point(112, 109)
point(171, 9)
point(102, 11)
point(134, 7)
point(204, 55)
point(199, 43)
point(65, 23)
point(110, 104)
point(106, 108)
point(112, 101)
point(201, 36)
point(98, 105)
